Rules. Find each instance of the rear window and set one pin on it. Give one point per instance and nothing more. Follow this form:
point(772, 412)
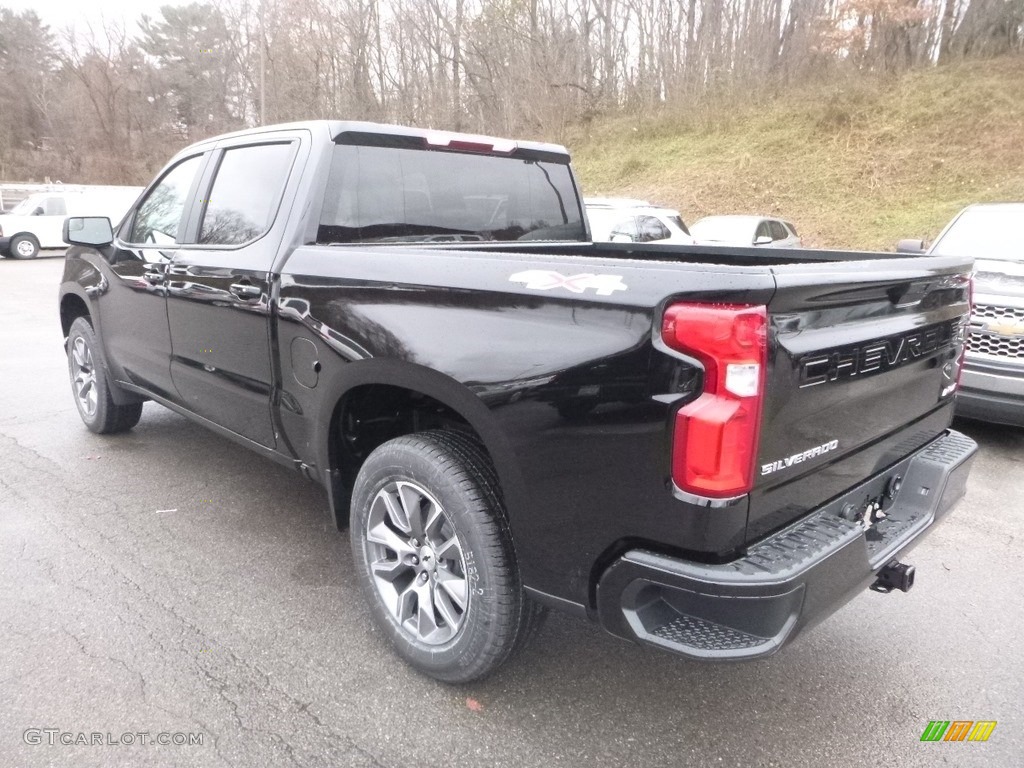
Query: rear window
point(391, 194)
point(652, 230)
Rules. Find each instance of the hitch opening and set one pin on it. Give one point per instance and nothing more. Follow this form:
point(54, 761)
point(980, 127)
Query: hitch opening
point(894, 575)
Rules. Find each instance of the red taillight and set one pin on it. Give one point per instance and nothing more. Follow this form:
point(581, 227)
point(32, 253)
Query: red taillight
point(714, 447)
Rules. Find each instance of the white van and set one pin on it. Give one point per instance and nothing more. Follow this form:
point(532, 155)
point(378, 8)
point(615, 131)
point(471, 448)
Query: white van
point(37, 222)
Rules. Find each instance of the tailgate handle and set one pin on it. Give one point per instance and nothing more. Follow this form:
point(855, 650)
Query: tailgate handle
point(908, 294)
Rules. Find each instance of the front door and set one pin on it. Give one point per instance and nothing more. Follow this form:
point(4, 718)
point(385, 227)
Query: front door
point(134, 325)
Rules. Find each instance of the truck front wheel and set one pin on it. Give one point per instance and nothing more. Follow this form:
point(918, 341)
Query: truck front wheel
point(434, 556)
point(90, 386)
point(24, 247)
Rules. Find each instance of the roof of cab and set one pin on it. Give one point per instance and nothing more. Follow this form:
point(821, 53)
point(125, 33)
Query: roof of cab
point(330, 130)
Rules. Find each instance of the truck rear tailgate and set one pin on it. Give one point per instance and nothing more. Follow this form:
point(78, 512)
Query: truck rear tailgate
point(863, 364)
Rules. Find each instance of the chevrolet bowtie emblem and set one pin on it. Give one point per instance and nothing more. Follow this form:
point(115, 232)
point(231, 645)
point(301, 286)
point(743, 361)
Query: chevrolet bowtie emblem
point(1005, 327)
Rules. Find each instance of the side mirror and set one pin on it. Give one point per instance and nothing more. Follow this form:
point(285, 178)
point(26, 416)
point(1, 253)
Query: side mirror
point(910, 246)
point(762, 240)
point(94, 231)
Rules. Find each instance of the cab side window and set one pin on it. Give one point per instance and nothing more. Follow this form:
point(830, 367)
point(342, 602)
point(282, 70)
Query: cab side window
point(160, 219)
point(245, 193)
point(778, 231)
point(762, 231)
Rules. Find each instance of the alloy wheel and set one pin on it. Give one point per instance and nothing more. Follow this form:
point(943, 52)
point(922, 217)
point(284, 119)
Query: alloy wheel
point(417, 562)
point(83, 376)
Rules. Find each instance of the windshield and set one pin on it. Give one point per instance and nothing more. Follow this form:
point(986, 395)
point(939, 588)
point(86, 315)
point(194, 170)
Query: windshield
point(26, 206)
point(987, 232)
point(723, 228)
point(390, 194)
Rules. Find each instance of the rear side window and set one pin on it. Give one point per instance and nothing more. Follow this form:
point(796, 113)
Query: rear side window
point(393, 194)
point(791, 229)
point(245, 194)
point(651, 229)
point(159, 220)
point(625, 229)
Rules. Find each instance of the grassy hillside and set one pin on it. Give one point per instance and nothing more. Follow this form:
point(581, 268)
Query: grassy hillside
point(856, 165)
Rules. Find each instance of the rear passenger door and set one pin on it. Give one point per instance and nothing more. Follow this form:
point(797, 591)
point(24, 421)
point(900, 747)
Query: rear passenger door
point(218, 291)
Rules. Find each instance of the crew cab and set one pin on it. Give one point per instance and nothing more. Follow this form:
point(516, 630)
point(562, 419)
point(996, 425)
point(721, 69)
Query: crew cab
point(705, 450)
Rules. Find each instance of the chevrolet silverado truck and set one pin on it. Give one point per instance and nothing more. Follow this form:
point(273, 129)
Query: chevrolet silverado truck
point(706, 450)
point(992, 386)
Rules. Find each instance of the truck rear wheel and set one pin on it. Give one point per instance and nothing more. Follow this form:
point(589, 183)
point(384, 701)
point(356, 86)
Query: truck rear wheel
point(24, 247)
point(434, 556)
point(90, 385)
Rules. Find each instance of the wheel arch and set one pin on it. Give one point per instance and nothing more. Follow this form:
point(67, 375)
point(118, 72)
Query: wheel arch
point(72, 307)
point(75, 303)
point(410, 398)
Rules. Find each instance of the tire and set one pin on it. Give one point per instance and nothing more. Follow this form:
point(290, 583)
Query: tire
point(434, 556)
point(24, 247)
point(90, 384)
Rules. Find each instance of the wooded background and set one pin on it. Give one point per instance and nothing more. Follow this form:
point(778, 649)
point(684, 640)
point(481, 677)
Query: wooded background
point(110, 106)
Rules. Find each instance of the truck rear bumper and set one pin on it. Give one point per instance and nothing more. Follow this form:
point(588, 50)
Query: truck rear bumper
point(751, 607)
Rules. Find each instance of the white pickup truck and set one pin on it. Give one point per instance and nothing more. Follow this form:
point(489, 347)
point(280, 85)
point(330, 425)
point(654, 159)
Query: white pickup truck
point(37, 221)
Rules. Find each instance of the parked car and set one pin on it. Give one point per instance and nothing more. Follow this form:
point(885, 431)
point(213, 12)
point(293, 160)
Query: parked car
point(37, 221)
point(992, 388)
point(745, 231)
point(622, 220)
point(704, 457)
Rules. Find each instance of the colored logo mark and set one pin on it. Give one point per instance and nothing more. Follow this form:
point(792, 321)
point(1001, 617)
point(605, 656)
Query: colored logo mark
point(958, 730)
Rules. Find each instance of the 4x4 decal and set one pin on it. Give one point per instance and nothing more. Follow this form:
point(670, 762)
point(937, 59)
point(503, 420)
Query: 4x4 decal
point(546, 280)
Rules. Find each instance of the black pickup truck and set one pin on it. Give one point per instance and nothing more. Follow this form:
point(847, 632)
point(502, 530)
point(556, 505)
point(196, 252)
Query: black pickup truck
point(706, 450)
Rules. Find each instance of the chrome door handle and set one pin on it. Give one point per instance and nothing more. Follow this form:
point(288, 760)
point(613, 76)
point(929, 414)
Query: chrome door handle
point(246, 291)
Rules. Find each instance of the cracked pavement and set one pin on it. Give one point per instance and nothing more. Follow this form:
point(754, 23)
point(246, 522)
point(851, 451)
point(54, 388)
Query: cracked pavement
point(169, 581)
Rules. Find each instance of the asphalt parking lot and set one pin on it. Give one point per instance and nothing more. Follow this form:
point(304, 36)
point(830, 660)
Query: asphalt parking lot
point(167, 581)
